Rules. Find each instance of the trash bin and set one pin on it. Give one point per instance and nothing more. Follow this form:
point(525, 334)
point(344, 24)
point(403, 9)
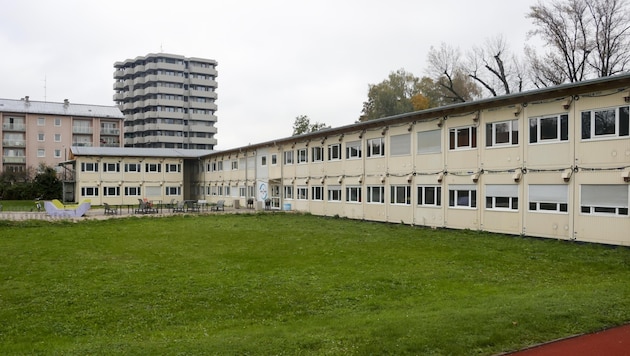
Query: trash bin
point(286, 207)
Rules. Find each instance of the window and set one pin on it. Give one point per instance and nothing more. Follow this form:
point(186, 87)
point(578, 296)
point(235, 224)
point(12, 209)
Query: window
point(89, 191)
point(400, 145)
point(605, 123)
point(177, 190)
point(376, 194)
point(502, 133)
point(57, 121)
point(219, 165)
point(548, 197)
point(173, 168)
point(462, 196)
point(353, 150)
point(132, 167)
point(288, 157)
point(89, 167)
point(430, 141)
point(400, 194)
point(604, 199)
point(41, 152)
point(111, 191)
point(111, 167)
point(549, 129)
point(234, 165)
point(288, 192)
point(57, 153)
point(302, 193)
point(263, 160)
point(133, 191)
point(153, 168)
point(226, 190)
point(334, 193)
point(41, 121)
point(220, 190)
point(334, 151)
point(318, 192)
point(353, 194)
point(274, 159)
point(462, 138)
point(242, 191)
point(302, 155)
point(40, 137)
point(502, 196)
point(376, 147)
point(430, 195)
point(317, 154)
point(57, 137)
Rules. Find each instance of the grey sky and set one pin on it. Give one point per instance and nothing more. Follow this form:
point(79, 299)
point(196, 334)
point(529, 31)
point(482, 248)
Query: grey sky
point(277, 59)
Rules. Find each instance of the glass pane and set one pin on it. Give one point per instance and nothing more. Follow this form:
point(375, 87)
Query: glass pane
point(420, 201)
point(548, 206)
point(502, 131)
point(533, 130)
point(463, 138)
point(605, 122)
point(463, 198)
point(502, 202)
point(549, 128)
point(430, 195)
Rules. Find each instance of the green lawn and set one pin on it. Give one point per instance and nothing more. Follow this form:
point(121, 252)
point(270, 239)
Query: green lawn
point(295, 284)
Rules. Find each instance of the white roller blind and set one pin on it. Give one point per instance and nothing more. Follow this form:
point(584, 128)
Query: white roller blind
point(400, 145)
point(462, 187)
point(354, 144)
point(614, 196)
point(548, 193)
point(153, 191)
point(502, 190)
point(430, 141)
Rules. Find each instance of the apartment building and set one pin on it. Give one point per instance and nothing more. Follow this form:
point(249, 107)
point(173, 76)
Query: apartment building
point(552, 162)
point(37, 132)
point(168, 101)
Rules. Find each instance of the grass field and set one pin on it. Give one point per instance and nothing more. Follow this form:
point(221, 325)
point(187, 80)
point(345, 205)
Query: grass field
point(295, 284)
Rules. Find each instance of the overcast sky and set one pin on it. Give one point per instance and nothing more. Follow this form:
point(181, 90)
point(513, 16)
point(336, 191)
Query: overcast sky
point(277, 59)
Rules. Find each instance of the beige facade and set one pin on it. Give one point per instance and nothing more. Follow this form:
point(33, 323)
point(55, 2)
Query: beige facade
point(551, 163)
point(35, 132)
point(168, 101)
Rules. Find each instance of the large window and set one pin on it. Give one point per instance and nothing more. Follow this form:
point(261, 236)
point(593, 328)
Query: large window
point(302, 155)
point(376, 194)
point(288, 157)
point(111, 167)
point(153, 168)
point(89, 167)
point(89, 191)
point(502, 196)
point(430, 195)
point(334, 152)
point(376, 147)
point(430, 141)
point(600, 199)
point(353, 150)
point(176, 190)
point(318, 192)
point(353, 194)
point(462, 138)
point(400, 145)
point(400, 194)
point(502, 133)
point(462, 196)
point(173, 168)
point(132, 167)
point(605, 123)
point(111, 191)
point(302, 193)
point(133, 191)
point(288, 192)
point(234, 165)
point(548, 198)
point(549, 129)
point(317, 154)
point(334, 193)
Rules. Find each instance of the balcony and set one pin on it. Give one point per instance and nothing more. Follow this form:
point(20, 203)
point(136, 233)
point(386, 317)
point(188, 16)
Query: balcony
point(13, 127)
point(110, 131)
point(14, 159)
point(82, 144)
point(14, 143)
point(119, 86)
point(82, 130)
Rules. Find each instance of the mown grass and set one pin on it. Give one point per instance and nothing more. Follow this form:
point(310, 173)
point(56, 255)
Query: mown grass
point(295, 284)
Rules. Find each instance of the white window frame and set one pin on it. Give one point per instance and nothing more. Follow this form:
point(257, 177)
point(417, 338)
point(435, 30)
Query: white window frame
point(589, 120)
point(492, 130)
point(274, 159)
point(263, 160)
point(133, 191)
point(288, 192)
point(137, 167)
point(57, 153)
point(234, 165)
point(41, 137)
point(353, 150)
point(172, 190)
point(548, 198)
point(453, 138)
point(89, 191)
point(317, 154)
point(423, 192)
point(536, 132)
point(173, 168)
point(57, 121)
point(400, 194)
point(89, 167)
point(111, 191)
point(334, 193)
point(502, 197)
point(318, 192)
point(353, 194)
point(334, 152)
point(41, 121)
point(288, 157)
point(375, 147)
point(302, 155)
point(604, 199)
point(375, 194)
point(302, 193)
point(57, 137)
point(153, 168)
point(41, 152)
point(109, 167)
point(462, 196)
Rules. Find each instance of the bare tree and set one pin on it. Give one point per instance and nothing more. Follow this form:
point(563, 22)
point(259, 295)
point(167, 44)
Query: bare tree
point(586, 38)
point(495, 68)
point(447, 69)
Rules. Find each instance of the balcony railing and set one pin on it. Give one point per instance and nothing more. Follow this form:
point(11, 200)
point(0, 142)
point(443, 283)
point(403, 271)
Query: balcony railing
point(105, 131)
point(13, 159)
point(13, 143)
point(82, 144)
point(14, 127)
point(82, 130)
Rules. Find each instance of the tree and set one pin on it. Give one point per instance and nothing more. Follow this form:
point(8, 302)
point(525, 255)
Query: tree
point(495, 68)
point(449, 73)
point(302, 125)
point(585, 38)
point(46, 183)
